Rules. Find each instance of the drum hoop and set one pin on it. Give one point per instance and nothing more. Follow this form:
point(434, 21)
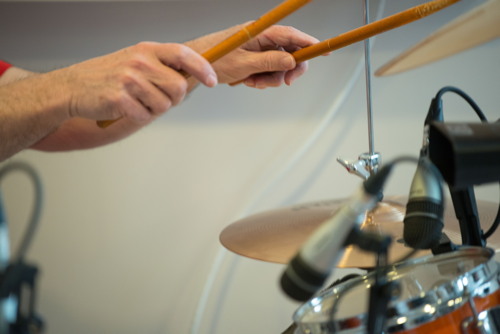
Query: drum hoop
point(415, 310)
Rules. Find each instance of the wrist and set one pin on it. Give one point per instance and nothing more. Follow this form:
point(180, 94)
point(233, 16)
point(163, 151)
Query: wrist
point(50, 96)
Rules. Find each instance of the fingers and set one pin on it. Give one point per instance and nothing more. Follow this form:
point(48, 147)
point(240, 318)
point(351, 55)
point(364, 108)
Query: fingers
point(271, 61)
point(274, 69)
point(181, 57)
point(150, 76)
point(286, 37)
point(292, 75)
point(262, 80)
point(145, 80)
point(275, 79)
point(271, 68)
point(153, 99)
point(267, 59)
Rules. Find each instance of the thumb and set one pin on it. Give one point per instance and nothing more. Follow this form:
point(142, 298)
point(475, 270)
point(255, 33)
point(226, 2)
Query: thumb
point(273, 61)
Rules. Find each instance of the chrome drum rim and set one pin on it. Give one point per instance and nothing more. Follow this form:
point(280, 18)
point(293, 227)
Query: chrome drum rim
point(470, 271)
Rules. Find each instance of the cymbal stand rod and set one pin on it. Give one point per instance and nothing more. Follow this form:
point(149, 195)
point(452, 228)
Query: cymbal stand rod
point(368, 82)
point(367, 163)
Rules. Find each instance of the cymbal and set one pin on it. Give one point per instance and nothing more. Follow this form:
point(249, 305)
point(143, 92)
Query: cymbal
point(385, 219)
point(478, 26)
point(277, 235)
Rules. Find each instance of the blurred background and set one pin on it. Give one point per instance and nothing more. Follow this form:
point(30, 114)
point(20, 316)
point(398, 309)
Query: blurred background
point(129, 237)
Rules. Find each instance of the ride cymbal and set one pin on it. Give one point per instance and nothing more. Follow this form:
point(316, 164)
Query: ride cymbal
point(277, 235)
point(476, 27)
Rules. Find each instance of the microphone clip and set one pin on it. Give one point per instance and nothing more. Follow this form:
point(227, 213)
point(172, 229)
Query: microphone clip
point(366, 165)
point(370, 242)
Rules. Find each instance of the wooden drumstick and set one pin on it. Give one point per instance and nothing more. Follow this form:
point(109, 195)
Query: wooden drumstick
point(369, 30)
point(245, 34)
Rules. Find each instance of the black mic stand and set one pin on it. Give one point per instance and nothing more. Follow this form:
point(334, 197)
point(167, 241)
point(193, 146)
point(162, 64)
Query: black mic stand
point(18, 282)
point(381, 293)
point(465, 205)
point(381, 290)
point(17, 278)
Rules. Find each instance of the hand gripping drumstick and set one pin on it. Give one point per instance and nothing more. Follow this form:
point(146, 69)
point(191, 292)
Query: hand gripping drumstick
point(245, 34)
point(369, 30)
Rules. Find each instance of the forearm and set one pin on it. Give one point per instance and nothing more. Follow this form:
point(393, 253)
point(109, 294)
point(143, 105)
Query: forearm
point(30, 116)
point(14, 74)
point(28, 111)
point(81, 133)
point(33, 116)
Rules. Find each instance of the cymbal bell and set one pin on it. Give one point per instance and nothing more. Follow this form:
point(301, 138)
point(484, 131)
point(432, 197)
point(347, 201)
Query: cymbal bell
point(277, 235)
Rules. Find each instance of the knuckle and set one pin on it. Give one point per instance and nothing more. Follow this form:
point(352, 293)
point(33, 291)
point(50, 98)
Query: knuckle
point(159, 105)
point(144, 46)
point(289, 30)
point(128, 78)
point(139, 56)
point(178, 49)
point(183, 54)
point(279, 30)
point(115, 105)
point(164, 106)
point(119, 99)
point(178, 92)
point(138, 61)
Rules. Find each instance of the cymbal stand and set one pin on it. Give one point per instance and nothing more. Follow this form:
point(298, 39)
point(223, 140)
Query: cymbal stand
point(367, 163)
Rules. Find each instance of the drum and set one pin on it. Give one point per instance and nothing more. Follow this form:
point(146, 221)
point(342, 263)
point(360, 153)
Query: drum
point(456, 292)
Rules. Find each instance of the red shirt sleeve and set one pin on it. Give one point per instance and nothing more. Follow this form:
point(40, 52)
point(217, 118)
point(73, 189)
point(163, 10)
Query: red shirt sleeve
point(4, 66)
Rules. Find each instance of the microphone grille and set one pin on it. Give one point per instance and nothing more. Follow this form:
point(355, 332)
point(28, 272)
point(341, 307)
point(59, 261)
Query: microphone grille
point(423, 223)
point(300, 281)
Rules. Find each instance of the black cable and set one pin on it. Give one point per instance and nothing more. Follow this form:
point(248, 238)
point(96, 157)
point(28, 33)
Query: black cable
point(494, 226)
point(466, 97)
point(37, 208)
point(436, 113)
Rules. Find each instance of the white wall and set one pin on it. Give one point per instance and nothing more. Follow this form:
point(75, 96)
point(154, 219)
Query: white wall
point(128, 242)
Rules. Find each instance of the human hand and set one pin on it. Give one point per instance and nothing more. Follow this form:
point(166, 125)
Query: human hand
point(139, 82)
point(264, 61)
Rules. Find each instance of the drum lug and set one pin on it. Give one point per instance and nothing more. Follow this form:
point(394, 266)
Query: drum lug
point(486, 322)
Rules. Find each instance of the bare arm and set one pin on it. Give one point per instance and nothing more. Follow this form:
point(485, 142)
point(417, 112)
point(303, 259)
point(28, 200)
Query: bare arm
point(137, 84)
point(23, 118)
point(57, 110)
point(14, 74)
point(37, 119)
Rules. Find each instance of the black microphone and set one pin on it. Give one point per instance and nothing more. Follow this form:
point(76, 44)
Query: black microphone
point(423, 222)
point(311, 266)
